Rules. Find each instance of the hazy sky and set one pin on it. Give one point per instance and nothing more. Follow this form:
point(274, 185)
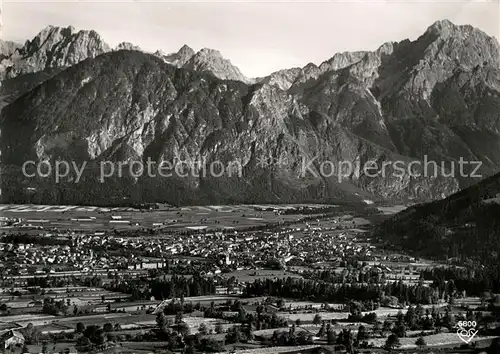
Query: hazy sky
point(257, 36)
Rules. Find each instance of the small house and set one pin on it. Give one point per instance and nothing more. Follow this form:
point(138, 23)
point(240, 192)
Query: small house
point(11, 338)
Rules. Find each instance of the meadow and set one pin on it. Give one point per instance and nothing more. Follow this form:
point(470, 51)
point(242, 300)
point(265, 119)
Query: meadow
point(168, 219)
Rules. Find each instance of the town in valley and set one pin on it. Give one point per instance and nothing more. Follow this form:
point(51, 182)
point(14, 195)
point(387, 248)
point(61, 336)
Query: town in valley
point(219, 279)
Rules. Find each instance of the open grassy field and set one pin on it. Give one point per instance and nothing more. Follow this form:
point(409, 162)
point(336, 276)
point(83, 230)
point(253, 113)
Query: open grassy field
point(36, 319)
point(471, 302)
point(291, 304)
point(337, 327)
point(207, 299)
point(345, 221)
point(309, 317)
point(101, 319)
point(80, 297)
point(390, 210)
point(434, 340)
point(97, 218)
point(275, 350)
point(269, 332)
point(47, 322)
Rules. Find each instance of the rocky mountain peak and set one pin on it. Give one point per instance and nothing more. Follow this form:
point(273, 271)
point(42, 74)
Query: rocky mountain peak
point(186, 51)
point(7, 48)
point(310, 66)
point(436, 96)
point(284, 79)
point(444, 48)
point(463, 38)
point(208, 52)
point(177, 59)
point(447, 31)
point(54, 36)
point(212, 61)
point(127, 46)
point(441, 27)
point(342, 60)
point(54, 47)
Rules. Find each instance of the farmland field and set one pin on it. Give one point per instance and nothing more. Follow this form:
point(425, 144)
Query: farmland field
point(303, 304)
point(339, 326)
point(441, 339)
point(185, 218)
point(20, 318)
point(308, 317)
point(276, 350)
point(98, 319)
point(390, 210)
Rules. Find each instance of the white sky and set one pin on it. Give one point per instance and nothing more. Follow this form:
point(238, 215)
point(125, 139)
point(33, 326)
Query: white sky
point(258, 36)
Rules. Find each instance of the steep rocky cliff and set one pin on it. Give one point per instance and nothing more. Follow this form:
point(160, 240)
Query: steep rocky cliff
point(436, 96)
point(178, 59)
point(23, 67)
point(212, 61)
point(54, 47)
point(126, 106)
point(7, 48)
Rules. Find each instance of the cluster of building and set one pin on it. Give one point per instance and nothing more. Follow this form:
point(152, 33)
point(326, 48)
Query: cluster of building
point(233, 250)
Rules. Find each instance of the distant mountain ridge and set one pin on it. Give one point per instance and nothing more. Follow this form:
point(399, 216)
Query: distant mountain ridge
point(60, 47)
point(437, 96)
point(54, 47)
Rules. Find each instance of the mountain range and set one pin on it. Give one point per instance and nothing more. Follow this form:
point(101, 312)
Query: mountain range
point(68, 95)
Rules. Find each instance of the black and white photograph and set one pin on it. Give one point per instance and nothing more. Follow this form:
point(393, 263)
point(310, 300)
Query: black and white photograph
point(250, 177)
